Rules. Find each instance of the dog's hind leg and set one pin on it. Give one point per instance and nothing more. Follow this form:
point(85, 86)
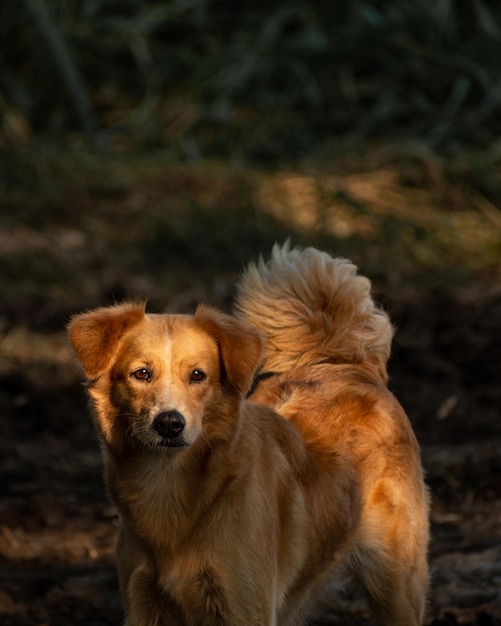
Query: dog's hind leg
point(396, 591)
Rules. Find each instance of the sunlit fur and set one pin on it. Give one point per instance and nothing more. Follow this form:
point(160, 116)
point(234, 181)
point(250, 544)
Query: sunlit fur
point(313, 308)
point(324, 369)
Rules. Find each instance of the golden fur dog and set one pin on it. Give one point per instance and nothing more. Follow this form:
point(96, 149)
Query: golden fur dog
point(229, 513)
point(324, 369)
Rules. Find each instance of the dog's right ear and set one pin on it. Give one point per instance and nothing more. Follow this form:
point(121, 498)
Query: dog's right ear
point(239, 343)
point(95, 334)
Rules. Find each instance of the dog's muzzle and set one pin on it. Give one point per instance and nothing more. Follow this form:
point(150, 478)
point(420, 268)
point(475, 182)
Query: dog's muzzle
point(170, 425)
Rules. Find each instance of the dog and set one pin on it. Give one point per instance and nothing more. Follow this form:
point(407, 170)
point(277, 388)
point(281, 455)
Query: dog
point(227, 516)
point(236, 511)
point(324, 368)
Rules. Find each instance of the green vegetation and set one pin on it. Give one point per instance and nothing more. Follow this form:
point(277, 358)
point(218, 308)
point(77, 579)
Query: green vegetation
point(266, 82)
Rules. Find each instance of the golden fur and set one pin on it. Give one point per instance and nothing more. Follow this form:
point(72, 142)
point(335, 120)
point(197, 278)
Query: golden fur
point(229, 513)
point(324, 368)
point(313, 308)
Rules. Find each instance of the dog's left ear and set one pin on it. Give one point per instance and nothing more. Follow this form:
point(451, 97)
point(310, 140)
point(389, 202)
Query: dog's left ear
point(241, 345)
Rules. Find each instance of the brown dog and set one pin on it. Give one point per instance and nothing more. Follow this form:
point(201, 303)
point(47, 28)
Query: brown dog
point(227, 516)
point(229, 513)
point(324, 368)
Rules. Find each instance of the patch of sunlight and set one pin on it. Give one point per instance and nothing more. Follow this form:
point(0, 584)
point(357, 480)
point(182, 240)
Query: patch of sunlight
point(364, 204)
point(22, 346)
point(74, 543)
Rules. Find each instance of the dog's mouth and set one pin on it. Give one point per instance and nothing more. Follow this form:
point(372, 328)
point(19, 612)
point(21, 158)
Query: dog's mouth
point(152, 440)
point(176, 442)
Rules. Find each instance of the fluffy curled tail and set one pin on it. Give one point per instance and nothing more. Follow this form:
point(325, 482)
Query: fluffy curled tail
point(313, 308)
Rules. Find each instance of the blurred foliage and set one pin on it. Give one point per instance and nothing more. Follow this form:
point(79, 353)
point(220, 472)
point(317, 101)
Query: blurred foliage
point(265, 81)
point(376, 126)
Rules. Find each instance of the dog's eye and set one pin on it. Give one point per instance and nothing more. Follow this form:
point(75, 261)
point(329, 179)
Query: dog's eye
point(197, 376)
point(142, 374)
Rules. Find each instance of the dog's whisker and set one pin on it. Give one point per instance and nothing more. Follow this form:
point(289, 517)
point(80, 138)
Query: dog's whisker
point(135, 429)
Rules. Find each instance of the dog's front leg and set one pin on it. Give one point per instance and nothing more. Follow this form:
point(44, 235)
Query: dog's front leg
point(141, 601)
point(209, 599)
point(205, 600)
point(147, 605)
point(134, 578)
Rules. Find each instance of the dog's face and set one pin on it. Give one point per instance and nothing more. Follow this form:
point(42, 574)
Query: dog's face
point(156, 380)
point(165, 373)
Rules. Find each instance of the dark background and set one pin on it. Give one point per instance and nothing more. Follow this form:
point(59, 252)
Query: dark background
point(154, 148)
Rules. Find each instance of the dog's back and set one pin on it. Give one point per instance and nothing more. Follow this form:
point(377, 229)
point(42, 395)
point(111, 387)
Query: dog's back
point(324, 367)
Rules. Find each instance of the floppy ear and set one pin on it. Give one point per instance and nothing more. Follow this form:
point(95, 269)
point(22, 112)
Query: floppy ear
point(95, 334)
point(240, 344)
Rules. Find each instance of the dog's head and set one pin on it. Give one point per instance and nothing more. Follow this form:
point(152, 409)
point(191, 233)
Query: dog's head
point(160, 381)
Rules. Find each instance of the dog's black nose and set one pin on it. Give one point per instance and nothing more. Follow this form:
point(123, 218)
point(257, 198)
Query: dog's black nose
point(169, 424)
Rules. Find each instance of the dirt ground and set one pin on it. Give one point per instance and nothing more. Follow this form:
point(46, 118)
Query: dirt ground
point(57, 527)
